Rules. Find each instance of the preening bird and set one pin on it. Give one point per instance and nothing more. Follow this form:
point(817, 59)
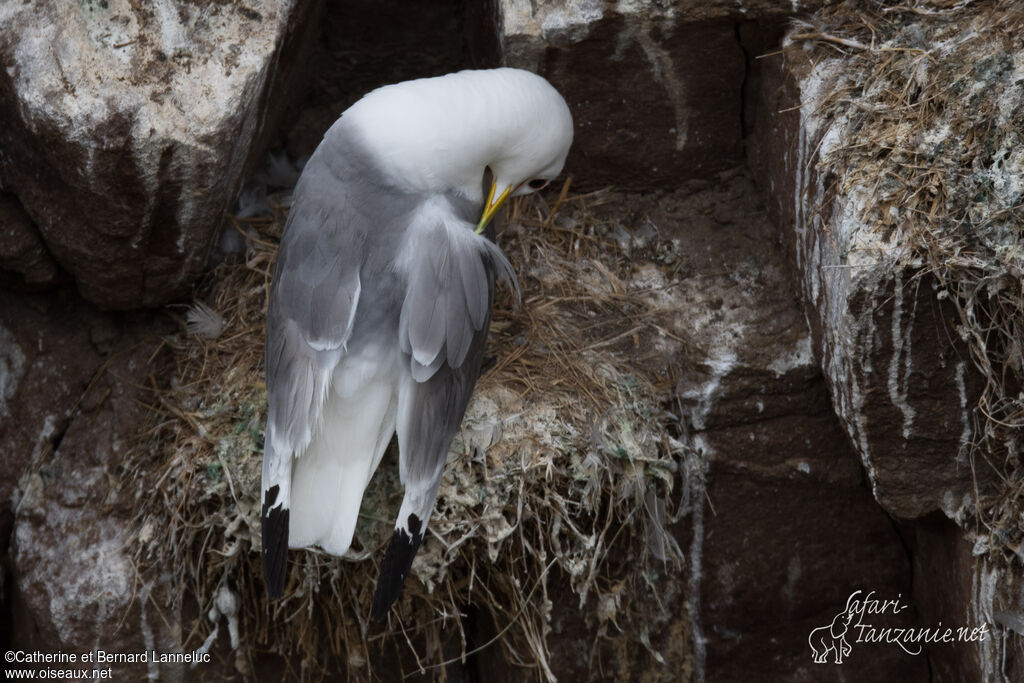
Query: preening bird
point(381, 300)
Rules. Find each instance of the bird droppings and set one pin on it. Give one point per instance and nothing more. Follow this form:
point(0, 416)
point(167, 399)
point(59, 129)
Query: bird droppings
point(565, 466)
point(573, 20)
point(800, 356)
point(152, 668)
point(639, 27)
point(899, 364)
point(93, 597)
point(991, 651)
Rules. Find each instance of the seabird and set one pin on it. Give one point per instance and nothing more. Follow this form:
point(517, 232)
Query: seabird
point(381, 300)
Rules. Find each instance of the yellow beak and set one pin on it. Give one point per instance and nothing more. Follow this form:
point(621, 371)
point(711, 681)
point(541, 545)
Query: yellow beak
point(492, 205)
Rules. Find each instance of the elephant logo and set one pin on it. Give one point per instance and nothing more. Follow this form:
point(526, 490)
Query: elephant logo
point(832, 638)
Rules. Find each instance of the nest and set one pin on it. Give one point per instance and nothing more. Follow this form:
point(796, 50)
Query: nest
point(565, 471)
point(928, 99)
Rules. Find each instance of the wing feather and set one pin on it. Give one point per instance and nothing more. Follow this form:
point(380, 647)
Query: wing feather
point(433, 398)
point(448, 297)
point(313, 302)
point(477, 304)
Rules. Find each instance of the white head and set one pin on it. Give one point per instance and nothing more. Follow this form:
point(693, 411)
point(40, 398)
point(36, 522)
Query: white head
point(439, 134)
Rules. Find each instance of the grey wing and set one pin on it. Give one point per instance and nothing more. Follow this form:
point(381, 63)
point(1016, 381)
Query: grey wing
point(443, 328)
point(313, 302)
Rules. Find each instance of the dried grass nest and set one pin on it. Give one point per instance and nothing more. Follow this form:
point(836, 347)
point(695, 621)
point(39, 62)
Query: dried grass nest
point(566, 465)
point(930, 101)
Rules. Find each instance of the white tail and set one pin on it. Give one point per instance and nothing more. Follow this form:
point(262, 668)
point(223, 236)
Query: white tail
point(328, 480)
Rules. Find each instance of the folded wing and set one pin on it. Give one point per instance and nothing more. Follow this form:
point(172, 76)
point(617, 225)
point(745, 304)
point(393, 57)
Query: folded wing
point(442, 329)
point(313, 301)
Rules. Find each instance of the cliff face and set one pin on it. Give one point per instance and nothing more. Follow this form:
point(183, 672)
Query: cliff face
point(818, 417)
point(896, 189)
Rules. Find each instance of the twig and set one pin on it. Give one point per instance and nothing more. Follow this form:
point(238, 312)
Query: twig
point(497, 637)
point(818, 35)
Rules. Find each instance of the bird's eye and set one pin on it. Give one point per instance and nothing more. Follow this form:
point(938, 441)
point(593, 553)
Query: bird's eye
point(538, 183)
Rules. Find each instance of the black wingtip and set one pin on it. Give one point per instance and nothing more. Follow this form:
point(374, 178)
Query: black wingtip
point(397, 562)
point(275, 542)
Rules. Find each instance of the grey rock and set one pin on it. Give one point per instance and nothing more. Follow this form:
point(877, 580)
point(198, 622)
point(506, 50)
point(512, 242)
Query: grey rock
point(76, 585)
point(128, 127)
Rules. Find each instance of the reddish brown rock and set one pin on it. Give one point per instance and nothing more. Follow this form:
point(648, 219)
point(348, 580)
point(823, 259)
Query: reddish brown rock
point(22, 252)
point(350, 59)
point(657, 91)
point(46, 362)
point(782, 528)
point(898, 374)
point(47, 358)
point(963, 589)
point(788, 531)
